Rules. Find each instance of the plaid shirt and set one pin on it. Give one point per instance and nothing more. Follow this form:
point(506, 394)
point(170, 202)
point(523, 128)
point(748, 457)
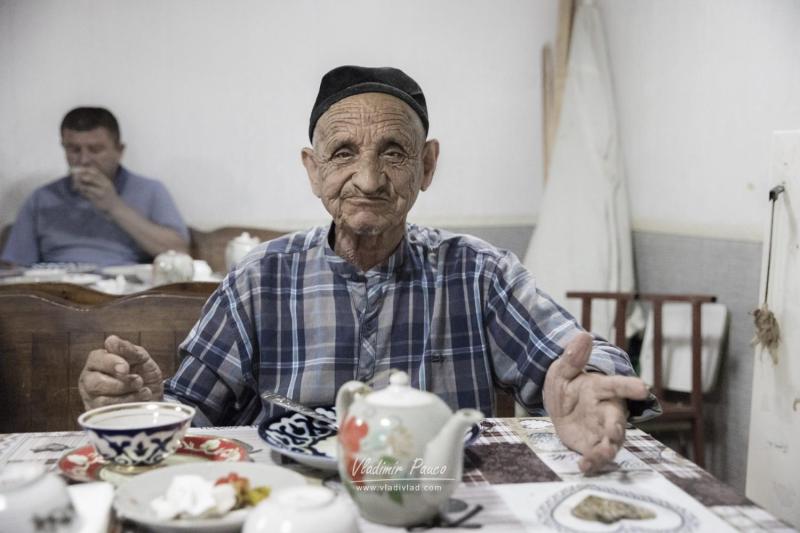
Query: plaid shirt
point(458, 315)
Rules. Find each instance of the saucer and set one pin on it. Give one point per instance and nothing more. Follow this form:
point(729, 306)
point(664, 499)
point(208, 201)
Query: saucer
point(312, 442)
point(85, 464)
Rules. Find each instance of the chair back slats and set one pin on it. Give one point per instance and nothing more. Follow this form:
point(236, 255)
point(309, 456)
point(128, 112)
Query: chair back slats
point(44, 342)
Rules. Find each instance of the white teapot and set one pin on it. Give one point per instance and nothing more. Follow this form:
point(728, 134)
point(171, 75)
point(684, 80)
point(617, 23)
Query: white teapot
point(34, 500)
point(400, 450)
point(238, 248)
point(172, 267)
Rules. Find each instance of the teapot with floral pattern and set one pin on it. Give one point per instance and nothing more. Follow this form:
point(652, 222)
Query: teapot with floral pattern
point(400, 450)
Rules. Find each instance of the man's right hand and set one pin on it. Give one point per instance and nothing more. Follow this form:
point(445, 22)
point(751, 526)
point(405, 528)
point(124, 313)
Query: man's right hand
point(121, 372)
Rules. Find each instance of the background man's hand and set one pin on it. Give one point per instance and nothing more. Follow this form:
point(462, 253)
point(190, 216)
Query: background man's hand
point(589, 410)
point(121, 372)
point(95, 187)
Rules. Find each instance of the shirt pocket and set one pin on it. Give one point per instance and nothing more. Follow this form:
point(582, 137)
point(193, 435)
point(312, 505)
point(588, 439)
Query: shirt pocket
point(459, 376)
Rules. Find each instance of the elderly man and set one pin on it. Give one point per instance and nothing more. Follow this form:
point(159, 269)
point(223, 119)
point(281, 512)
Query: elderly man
point(305, 313)
point(101, 213)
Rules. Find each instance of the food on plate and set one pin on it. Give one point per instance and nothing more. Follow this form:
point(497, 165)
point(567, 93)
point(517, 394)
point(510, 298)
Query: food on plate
point(245, 496)
point(608, 511)
point(192, 496)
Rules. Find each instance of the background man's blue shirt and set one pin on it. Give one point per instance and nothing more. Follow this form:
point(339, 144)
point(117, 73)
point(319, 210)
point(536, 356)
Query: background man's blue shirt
point(56, 224)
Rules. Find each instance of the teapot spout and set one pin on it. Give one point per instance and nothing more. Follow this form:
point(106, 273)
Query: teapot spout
point(444, 454)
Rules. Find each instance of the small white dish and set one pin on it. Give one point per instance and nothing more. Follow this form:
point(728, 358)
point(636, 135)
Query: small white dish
point(143, 272)
point(133, 499)
point(92, 503)
point(303, 510)
point(81, 279)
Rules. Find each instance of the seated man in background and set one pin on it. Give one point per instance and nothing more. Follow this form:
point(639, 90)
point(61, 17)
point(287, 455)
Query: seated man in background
point(303, 314)
point(101, 212)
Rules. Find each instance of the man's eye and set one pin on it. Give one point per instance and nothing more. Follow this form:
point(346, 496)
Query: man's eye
point(342, 155)
point(395, 156)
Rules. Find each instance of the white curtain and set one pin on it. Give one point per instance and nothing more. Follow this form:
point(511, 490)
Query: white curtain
point(582, 239)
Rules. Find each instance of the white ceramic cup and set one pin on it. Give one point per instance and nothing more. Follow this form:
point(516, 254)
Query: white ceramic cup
point(34, 500)
point(305, 509)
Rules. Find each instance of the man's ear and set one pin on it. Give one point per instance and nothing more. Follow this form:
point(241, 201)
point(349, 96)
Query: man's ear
point(430, 155)
point(312, 169)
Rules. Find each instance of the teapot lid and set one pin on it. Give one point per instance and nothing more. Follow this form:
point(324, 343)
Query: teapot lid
point(400, 393)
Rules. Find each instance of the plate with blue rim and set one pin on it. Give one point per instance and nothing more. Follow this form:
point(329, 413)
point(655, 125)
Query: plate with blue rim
point(313, 442)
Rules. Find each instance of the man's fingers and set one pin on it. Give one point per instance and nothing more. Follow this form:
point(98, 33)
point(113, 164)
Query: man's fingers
point(599, 456)
point(621, 387)
point(142, 395)
point(150, 372)
point(614, 429)
point(133, 354)
point(107, 363)
point(99, 384)
point(575, 356)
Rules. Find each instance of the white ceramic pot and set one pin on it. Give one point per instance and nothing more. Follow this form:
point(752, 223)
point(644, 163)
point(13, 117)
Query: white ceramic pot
point(306, 509)
point(238, 248)
point(34, 500)
point(400, 450)
point(172, 267)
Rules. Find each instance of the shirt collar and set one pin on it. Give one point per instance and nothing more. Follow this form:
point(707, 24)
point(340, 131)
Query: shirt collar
point(395, 264)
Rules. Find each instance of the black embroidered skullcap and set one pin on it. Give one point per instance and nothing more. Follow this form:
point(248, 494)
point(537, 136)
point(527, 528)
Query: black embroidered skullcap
point(348, 80)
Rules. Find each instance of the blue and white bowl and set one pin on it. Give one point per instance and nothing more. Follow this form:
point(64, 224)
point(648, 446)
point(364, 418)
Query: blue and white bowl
point(137, 434)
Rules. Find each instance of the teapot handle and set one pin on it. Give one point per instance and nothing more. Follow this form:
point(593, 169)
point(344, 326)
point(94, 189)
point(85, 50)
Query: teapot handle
point(345, 397)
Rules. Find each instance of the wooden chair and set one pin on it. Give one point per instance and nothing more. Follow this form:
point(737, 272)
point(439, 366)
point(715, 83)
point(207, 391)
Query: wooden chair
point(77, 294)
point(210, 245)
point(674, 410)
point(44, 341)
point(189, 288)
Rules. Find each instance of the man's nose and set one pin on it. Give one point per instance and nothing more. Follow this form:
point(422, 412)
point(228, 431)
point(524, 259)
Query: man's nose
point(84, 157)
point(369, 178)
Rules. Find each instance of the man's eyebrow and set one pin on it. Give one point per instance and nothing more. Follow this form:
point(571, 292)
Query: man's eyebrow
point(335, 143)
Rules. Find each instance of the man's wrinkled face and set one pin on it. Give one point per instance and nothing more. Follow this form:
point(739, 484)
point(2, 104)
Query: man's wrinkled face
point(368, 162)
point(93, 148)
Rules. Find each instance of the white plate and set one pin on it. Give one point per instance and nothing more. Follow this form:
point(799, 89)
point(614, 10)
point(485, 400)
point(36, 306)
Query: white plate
point(133, 498)
point(143, 272)
point(34, 276)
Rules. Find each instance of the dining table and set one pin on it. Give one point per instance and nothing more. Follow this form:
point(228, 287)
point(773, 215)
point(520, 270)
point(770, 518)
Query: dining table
point(517, 477)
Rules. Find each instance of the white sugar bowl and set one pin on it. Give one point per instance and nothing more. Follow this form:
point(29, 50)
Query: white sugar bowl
point(33, 499)
point(303, 509)
point(172, 267)
point(238, 248)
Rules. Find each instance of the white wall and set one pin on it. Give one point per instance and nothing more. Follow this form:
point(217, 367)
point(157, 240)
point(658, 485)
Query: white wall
point(213, 97)
point(700, 87)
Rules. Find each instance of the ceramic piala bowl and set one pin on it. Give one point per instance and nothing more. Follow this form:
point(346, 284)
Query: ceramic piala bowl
point(137, 434)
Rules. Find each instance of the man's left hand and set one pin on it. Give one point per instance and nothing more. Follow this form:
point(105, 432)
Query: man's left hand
point(589, 410)
point(96, 187)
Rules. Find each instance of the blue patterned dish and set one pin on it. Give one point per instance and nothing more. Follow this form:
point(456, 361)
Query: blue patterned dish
point(312, 442)
point(139, 433)
point(307, 441)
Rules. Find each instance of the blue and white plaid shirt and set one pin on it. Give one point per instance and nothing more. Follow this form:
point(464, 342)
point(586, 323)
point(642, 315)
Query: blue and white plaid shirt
point(457, 314)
